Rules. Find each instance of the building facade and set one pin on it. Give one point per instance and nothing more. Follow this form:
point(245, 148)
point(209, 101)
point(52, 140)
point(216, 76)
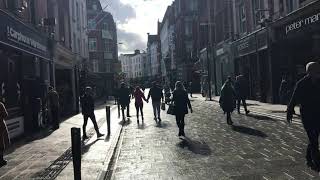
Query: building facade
point(153, 57)
point(26, 66)
point(134, 66)
point(103, 49)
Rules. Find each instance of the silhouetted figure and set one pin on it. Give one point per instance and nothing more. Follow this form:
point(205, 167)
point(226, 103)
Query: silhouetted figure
point(156, 95)
point(131, 90)
point(4, 134)
point(190, 88)
point(228, 99)
point(307, 95)
point(87, 105)
point(181, 101)
point(241, 89)
point(124, 99)
point(53, 104)
point(139, 97)
point(284, 91)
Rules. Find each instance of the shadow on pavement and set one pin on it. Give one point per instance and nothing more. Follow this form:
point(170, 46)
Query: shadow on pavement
point(85, 148)
point(162, 125)
point(196, 147)
point(249, 131)
point(141, 125)
point(260, 117)
point(126, 122)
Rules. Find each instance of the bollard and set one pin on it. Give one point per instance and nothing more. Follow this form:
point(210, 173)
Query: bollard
point(108, 118)
point(118, 110)
point(76, 152)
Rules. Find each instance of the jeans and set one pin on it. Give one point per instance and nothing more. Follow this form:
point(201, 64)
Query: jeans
point(93, 119)
point(243, 103)
point(139, 107)
point(156, 108)
point(313, 146)
point(180, 123)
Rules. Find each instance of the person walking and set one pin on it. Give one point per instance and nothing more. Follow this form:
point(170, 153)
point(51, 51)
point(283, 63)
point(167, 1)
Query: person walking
point(124, 99)
point(284, 91)
point(139, 97)
point(241, 89)
point(156, 94)
point(307, 95)
point(53, 104)
point(181, 102)
point(87, 105)
point(190, 88)
point(4, 134)
point(131, 90)
point(227, 99)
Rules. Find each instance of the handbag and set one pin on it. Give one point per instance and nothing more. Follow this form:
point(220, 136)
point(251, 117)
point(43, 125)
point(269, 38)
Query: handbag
point(163, 106)
point(171, 109)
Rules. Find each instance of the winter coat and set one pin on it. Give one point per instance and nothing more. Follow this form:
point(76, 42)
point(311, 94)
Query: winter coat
point(307, 95)
point(181, 101)
point(4, 134)
point(241, 87)
point(139, 95)
point(124, 96)
point(228, 97)
point(87, 104)
point(156, 94)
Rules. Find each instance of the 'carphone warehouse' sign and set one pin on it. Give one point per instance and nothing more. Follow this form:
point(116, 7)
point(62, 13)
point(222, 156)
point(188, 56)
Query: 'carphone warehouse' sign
point(303, 22)
point(21, 38)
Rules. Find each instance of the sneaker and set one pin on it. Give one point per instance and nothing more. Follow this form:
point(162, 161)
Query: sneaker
point(99, 135)
point(3, 162)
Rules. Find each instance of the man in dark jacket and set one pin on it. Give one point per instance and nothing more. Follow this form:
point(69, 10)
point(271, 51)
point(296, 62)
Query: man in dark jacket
point(53, 105)
point(241, 88)
point(87, 105)
point(124, 99)
point(307, 95)
point(156, 95)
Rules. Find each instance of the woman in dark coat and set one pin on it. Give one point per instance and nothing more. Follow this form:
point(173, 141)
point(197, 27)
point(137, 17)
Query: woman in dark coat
point(181, 101)
point(228, 99)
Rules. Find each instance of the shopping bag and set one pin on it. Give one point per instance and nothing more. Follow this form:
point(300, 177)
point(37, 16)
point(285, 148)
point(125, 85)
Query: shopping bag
point(171, 109)
point(163, 106)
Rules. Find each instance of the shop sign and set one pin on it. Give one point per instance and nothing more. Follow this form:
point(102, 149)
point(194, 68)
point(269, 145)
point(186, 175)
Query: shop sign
point(303, 22)
point(250, 44)
point(19, 37)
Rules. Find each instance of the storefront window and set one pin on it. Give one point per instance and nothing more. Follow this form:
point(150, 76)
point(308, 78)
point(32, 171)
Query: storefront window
point(242, 16)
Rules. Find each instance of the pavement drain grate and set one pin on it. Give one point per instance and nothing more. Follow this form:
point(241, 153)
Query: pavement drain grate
point(61, 162)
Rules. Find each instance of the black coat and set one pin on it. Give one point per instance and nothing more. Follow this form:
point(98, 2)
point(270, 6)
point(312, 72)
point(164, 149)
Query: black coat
point(87, 104)
point(124, 96)
point(228, 98)
point(307, 94)
point(241, 88)
point(181, 100)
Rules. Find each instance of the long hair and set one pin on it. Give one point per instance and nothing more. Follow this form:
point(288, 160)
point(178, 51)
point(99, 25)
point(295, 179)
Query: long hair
point(179, 86)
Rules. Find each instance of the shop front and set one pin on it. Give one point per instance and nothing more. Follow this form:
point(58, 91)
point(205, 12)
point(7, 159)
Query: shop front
point(297, 42)
point(224, 63)
point(25, 73)
point(251, 60)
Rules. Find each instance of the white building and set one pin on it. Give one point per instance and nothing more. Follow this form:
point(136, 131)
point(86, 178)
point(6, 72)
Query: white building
point(153, 53)
point(134, 65)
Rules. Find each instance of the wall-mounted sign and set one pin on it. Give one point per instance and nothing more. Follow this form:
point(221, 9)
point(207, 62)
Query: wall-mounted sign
point(19, 37)
point(300, 23)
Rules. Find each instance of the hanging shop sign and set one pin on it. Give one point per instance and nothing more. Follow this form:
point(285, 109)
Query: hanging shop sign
point(250, 44)
point(20, 36)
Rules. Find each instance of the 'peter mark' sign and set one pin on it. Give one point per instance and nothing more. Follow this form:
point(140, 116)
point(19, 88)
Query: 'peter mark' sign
point(296, 25)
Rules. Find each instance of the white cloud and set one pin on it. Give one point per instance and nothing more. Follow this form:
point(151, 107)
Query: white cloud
point(136, 18)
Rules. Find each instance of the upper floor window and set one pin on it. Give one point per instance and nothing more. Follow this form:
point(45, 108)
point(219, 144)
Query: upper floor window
point(92, 44)
point(94, 7)
point(95, 65)
point(258, 11)
point(91, 24)
point(242, 18)
point(290, 5)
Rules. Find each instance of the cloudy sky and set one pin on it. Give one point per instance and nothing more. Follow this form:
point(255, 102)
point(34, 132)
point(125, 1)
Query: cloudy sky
point(135, 18)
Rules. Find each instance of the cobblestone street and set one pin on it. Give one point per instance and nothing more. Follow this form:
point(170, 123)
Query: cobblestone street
point(256, 147)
